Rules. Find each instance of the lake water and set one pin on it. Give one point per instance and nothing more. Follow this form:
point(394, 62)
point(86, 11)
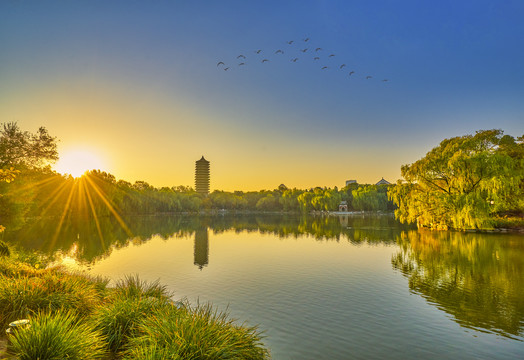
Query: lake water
point(353, 287)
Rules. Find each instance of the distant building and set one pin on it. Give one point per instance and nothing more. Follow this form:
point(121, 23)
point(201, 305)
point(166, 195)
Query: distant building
point(383, 182)
point(349, 182)
point(202, 176)
point(343, 206)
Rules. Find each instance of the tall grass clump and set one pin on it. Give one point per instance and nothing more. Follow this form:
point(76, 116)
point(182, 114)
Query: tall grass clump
point(56, 336)
point(195, 333)
point(51, 290)
point(119, 318)
point(132, 287)
point(130, 302)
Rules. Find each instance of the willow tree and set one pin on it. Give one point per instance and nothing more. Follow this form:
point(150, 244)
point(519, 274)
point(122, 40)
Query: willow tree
point(462, 182)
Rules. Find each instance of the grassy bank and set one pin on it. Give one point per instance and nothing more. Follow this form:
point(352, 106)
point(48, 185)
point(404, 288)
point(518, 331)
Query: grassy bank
point(74, 316)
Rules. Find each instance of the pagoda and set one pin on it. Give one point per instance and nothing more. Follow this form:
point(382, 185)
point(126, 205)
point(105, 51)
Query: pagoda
point(202, 176)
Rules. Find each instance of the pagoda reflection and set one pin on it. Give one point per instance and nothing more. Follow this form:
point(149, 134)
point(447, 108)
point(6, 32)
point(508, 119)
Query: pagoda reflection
point(201, 248)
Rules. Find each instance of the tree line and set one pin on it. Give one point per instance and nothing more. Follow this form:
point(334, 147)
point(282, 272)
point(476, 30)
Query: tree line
point(40, 191)
point(467, 182)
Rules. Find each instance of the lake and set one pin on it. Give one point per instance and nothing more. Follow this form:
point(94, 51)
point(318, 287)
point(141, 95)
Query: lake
point(326, 287)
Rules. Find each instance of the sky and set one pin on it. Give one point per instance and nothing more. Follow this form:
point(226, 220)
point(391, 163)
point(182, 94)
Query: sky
point(139, 84)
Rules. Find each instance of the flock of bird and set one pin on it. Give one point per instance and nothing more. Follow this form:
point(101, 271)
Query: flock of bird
point(295, 51)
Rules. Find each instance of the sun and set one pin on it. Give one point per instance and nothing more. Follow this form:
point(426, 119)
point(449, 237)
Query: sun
point(76, 162)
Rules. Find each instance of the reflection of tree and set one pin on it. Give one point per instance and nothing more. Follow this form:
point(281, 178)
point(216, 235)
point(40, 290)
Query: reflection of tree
point(201, 251)
point(476, 278)
point(95, 239)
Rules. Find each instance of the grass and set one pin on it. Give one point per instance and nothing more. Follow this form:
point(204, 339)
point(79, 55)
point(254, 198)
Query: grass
point(4, 249)
point(21, 296)
point(74, 316)
point(194, 333)
point(58, 335)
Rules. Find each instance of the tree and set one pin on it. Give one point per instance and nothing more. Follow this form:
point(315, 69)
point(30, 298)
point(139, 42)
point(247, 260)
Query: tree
point(462, 182)
point(22, 149)
point(7, 175)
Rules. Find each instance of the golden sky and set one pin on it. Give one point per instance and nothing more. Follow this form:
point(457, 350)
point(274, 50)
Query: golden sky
point(139, 86)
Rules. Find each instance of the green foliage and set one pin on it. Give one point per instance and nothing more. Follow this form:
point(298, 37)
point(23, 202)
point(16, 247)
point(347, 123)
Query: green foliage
point(463, 182)
point(57, 336)
point(370, 198)
point(22, 149)
point(269, 203)
point(195, 333)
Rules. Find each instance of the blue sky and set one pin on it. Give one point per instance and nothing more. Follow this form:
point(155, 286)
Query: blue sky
point(137, 83)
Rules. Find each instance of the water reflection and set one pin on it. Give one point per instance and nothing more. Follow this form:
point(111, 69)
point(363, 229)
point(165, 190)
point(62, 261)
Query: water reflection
point(201, 248)
point(476, 278)
point(93, 241)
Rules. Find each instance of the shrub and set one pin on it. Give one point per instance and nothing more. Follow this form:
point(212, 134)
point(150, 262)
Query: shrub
point(55, 337)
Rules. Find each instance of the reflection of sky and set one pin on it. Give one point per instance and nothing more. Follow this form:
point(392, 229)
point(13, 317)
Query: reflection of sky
point(138, 82)
point(314, 299)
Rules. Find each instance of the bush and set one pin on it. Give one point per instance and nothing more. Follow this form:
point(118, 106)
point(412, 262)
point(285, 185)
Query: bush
point(56, 336)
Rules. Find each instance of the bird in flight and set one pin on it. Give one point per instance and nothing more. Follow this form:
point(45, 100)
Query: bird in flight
point(318, 49)
point(290, 42)
point(369, 77)
point(331, 55)
point(265, 60)
point(258, 51)
point(341, 66)
point(294, 60)
point(279, 51)
point(351, 72)
point(241, 64)
point(220, 63)
point(241, 56)
point(306, 39)
point(324, 68)
point(384, 80)
point(304, 50)
point(316, 58)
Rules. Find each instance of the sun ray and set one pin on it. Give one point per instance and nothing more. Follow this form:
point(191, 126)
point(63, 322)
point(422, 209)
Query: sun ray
point(109, 206)
point(92, 207)
point(62, 217)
